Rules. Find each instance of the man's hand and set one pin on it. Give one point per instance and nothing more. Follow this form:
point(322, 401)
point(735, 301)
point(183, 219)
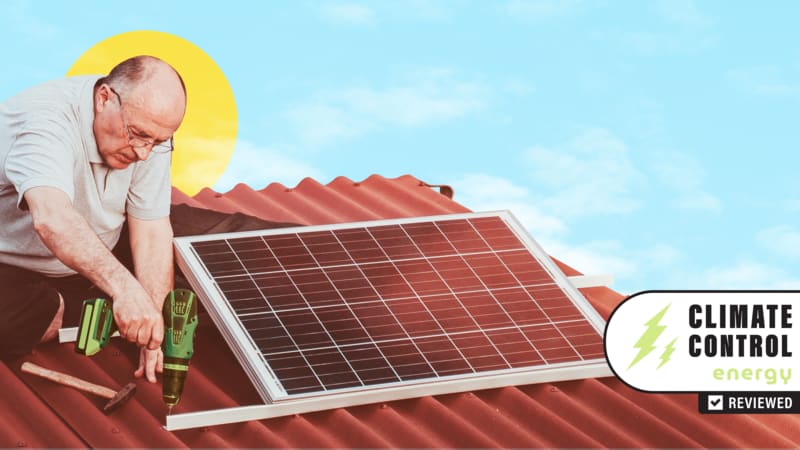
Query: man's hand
point(150, 363)
point(67, 234)
point(137, 318)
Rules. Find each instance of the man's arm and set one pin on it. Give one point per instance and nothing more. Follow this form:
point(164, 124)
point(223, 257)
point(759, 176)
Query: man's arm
point(67, 234)
point(151, 247)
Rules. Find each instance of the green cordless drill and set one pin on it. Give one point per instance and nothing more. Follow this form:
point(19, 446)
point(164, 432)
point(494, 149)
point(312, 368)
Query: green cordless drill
point(180, 321)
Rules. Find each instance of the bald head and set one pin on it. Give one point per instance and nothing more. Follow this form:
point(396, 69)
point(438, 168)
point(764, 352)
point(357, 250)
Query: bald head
point(149, 84)
point(140, 104)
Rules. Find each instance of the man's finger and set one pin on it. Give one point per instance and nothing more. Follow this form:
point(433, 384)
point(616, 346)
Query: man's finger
point(150, 365)
point(140, 370)
point(157, 335)
point(132, 333)
point(123, 328)
point(143, 337)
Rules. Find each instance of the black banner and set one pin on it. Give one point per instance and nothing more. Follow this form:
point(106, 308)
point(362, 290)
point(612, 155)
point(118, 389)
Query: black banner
point(749, 402)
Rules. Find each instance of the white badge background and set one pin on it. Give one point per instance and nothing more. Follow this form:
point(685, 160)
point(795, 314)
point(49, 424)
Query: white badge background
point(684, 373)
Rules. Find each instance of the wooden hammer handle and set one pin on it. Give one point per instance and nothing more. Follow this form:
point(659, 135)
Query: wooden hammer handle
point(68, 380)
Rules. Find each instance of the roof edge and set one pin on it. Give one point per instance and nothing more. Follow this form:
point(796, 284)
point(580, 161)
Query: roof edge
point(341, 179)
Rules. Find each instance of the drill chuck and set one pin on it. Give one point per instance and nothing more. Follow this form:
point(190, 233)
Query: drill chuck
point(180, 322)
point(174, 376)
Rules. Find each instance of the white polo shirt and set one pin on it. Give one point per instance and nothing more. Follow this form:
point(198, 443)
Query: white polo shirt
point(46, 139)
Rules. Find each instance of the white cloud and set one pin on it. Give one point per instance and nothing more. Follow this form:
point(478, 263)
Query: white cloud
point(746, 275)
point(321, 123)
point(610, 257)
point(348, 14)
point(481, 192)
point(592, 174)
point(257, 167)
point(427, 97)
point(660, 256)
point(699, 201)
point(595, 257)
point(764, 80)
point(541, 9)
point(792, 205)
point(684, 175)
point(782, 240)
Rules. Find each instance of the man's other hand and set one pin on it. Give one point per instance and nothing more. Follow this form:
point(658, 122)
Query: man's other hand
point(150, 363)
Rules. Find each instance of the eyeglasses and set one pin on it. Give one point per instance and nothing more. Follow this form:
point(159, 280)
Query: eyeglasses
point(140, 142)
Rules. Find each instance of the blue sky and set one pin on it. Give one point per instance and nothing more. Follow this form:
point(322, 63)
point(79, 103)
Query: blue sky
point(655, 140)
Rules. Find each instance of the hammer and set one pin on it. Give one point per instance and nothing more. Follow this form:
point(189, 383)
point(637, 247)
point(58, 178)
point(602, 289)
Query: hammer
point(117, 398)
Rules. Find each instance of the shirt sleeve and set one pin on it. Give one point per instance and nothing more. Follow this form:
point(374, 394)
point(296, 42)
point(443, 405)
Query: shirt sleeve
point(40, 156)
point(150, 193)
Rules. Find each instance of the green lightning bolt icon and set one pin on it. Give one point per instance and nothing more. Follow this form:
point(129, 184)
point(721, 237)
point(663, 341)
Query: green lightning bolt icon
point(650, 336)
point(668, 351)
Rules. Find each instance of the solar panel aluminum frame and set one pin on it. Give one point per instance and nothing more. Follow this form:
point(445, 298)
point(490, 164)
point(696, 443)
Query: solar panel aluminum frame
point(265, 381)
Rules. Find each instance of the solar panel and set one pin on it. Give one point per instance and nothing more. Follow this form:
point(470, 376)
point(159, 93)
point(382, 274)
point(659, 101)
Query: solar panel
point(350, 308)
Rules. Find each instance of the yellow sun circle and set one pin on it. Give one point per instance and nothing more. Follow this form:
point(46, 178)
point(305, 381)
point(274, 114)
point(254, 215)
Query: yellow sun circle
point(204, 143)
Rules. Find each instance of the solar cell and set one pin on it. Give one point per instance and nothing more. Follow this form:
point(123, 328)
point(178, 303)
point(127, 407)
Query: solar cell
point(352, 307)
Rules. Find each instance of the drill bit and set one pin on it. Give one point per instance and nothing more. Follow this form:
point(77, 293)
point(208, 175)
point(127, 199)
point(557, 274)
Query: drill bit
point(169, 410)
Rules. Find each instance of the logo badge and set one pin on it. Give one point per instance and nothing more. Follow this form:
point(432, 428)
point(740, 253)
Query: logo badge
point(720, 341)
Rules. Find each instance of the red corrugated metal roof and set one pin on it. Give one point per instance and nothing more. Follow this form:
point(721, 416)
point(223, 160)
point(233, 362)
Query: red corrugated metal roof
point(586, 413)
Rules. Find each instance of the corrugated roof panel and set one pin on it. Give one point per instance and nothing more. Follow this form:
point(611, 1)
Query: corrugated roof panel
point(27, 421)
point(585, 413)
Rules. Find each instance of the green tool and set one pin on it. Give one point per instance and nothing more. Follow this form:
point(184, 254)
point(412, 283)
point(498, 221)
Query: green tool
point(180, 321)
point(96, 327)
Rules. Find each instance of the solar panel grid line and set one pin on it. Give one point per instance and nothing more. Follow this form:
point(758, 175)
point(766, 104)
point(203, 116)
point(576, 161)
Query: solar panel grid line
point(327, 332)
point(412, 241)
point(495, 298)
point(237, 266)
point(513, 274)
point(445, 333)
point(450, 334)
point(247, 273)
point(545, 312)
point(591, 315)
point(378, 300)
point(384, 357)
point(460, 351)
point(497, 350)
point(416, 347)
point(351, 312)
point(303, 354)
point(372, 263)
point(266, 302)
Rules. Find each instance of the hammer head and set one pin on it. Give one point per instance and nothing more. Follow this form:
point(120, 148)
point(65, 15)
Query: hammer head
point(121, 397)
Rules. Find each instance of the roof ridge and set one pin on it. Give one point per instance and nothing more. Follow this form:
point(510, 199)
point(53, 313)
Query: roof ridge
point(275, 185)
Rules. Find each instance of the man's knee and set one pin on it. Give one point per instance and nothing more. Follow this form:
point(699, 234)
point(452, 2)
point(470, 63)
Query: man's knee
point(27, 317)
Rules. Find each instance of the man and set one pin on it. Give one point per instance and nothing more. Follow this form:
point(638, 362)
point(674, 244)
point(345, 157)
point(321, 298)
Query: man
point(80, 157)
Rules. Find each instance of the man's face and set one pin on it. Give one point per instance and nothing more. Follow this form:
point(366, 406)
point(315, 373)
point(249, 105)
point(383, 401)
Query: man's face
point(127, 131)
